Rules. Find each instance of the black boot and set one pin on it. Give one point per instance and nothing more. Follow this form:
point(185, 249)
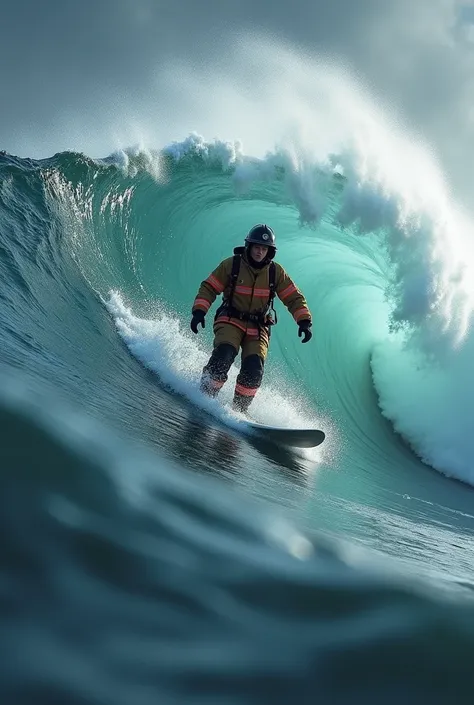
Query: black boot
point(241, 402)
point(210, 386)
point(249, 380)
point(214, 374)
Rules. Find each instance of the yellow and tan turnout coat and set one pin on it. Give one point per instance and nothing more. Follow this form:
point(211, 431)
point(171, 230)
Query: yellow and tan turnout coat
point(251, 293)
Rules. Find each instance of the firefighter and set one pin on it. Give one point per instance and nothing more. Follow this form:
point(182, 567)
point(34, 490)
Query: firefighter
point(248, 282)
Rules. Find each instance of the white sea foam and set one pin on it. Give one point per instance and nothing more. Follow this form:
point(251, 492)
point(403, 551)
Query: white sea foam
point(162, 345)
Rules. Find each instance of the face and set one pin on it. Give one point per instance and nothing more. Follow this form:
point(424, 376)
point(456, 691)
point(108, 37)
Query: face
point(258, 252)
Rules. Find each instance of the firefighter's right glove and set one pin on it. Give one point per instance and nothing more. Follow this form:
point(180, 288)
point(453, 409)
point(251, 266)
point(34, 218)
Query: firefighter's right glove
point(198, 318)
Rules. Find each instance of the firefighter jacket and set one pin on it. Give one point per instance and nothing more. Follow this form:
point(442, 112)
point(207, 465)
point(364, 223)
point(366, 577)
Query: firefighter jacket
point(251, 293)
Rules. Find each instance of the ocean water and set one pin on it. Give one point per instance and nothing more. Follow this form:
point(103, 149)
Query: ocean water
point(154, 552)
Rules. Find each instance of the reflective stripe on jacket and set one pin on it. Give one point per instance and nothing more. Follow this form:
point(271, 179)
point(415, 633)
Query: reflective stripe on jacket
point(251, 293)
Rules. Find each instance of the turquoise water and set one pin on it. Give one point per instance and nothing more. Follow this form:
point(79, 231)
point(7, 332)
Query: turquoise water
point(131, 502)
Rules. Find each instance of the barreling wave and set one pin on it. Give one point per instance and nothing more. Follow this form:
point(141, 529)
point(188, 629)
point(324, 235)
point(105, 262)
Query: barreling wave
point(385, 263)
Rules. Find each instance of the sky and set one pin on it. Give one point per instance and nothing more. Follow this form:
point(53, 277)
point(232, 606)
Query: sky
point(94, 75)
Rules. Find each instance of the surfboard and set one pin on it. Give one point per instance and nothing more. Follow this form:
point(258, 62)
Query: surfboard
point(295, 437)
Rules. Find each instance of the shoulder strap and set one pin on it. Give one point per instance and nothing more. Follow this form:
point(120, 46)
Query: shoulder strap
point(272, 282)
point(272, 287)
point(236, 260)
point(233, 277)
point(235, 266)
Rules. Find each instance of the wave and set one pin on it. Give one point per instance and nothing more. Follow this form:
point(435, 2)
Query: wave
point(389, 261)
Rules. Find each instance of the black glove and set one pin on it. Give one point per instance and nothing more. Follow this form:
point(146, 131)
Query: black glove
point(304, 329)
point(198, 318)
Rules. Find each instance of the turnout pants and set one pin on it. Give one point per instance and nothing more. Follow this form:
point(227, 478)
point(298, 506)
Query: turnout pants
point(228, 339)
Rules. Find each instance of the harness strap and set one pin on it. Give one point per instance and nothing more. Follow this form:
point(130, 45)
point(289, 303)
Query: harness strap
point(233, 277)
point(272, 287)
point(236, 261)
point(233, 312)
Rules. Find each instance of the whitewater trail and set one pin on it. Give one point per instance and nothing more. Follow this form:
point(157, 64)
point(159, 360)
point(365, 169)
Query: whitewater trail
point(163, 347)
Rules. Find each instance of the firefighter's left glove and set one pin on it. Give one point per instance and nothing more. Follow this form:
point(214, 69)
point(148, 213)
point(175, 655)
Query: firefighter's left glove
point(304, 330)
point(198, 318)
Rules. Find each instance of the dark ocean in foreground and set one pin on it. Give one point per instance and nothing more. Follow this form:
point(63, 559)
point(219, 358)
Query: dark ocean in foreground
point(125, 579)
